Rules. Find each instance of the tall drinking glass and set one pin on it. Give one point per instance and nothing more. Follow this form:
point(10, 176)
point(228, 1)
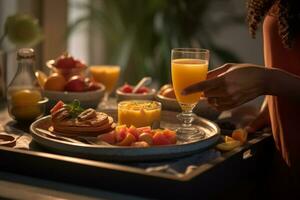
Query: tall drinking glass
point(188, 66)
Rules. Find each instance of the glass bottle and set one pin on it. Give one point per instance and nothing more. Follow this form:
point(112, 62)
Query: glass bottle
point(24, 97)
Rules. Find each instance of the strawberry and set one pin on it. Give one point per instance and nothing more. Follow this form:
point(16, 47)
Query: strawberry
point(57, 106)
point(142, 90)
point(65, 61)
point(127, 88)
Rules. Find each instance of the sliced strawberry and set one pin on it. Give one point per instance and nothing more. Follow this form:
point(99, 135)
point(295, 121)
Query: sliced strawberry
point(160, 139)
point(65, 62)
point(133, 130)
point(121, 134)
point(142, 90)
point(79, 64)
point(127, 141)
point(127, 88)
point(110, 137)
point(57, 106)
point(170, 135)
point(145, 129)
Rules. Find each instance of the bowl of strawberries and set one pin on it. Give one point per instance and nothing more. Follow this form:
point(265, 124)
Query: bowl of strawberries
point(125, 92)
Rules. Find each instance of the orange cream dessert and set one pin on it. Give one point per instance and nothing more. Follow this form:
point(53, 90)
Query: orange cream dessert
point(139, 113)
point(72, 120)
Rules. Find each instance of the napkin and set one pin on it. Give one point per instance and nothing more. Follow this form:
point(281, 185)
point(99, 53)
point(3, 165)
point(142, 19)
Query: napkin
point(181, 166)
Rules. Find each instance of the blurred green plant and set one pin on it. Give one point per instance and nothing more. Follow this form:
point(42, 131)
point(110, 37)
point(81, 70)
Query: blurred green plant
point(139, 35)
point(21, 30)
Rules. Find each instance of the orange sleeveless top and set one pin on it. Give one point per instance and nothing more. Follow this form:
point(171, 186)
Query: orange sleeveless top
point(284, 114)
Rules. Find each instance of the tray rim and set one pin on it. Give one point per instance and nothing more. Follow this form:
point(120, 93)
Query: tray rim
point(52, 157)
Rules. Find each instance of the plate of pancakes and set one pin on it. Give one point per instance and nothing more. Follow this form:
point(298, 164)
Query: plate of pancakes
point(90, 124)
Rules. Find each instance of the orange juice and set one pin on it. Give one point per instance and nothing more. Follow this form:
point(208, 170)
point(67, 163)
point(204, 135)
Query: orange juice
point(186, 72)
point(107, 75)
point(24, 104)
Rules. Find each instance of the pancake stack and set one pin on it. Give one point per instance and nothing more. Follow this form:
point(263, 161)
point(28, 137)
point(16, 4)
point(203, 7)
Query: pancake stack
point(87, 123)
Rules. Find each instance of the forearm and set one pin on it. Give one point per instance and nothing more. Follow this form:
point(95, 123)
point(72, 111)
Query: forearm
point(262, 120)
point(283, 84)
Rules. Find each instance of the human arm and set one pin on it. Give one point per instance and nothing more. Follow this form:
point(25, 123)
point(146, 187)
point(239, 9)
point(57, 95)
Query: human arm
point(241, 83)
point(262, 120)
point(283, 84)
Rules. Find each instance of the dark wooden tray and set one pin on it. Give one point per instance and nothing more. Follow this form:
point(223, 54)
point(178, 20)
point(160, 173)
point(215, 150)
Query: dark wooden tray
point(241, 168)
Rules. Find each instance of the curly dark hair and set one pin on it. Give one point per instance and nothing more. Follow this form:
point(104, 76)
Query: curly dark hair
point(287, 11)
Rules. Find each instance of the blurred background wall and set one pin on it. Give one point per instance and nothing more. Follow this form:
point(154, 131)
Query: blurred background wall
point(138, 34)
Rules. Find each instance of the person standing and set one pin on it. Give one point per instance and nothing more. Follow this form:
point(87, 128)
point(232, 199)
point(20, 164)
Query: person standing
point(234, 84)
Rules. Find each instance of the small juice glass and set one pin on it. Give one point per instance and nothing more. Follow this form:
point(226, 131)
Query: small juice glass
point(108, 75)
point(139, 113)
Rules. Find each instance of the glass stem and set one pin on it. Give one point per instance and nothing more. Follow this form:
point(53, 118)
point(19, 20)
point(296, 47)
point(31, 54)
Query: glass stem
point(187, 118)
point(105, 98)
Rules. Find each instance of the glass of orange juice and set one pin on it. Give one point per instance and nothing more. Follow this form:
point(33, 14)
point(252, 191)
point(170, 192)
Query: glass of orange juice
point(108, 75)
point(188, 66)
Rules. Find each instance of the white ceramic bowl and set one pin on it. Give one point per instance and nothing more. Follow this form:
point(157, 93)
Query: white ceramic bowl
point(89, 99)
point(121, 96)
point(168, 103)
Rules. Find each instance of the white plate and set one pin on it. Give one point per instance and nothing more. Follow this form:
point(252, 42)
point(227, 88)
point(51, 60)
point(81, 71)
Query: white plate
point(117, 153)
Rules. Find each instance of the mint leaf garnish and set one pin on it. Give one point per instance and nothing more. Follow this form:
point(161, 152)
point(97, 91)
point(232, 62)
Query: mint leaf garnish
point(74, 108)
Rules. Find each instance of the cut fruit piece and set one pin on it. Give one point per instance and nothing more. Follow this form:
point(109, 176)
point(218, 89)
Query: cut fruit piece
point(160, 139)
point(41, 77)
point(128, 140)
point(240, 135)
point(110, 137)
point(228, 146)
point(119, 127)
point(143, 90)
point(140, 144)
point(126, 88)
point(132, 129)
point(145, 129)
point(121, 133)
point(228, 139)
point(170, 135)
point(146, 137)
point(55, 82)
point(57, 106)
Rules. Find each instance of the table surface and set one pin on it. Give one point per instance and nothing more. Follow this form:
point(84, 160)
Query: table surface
point(38, 187)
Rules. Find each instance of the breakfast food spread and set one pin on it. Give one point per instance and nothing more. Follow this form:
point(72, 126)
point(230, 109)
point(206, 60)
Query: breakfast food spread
point(72, 120)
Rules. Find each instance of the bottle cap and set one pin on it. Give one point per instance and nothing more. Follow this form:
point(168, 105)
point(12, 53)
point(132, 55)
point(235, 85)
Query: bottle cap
point(25, 53)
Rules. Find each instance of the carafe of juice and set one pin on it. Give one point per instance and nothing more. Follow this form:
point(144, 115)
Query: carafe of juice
point(24, 97)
